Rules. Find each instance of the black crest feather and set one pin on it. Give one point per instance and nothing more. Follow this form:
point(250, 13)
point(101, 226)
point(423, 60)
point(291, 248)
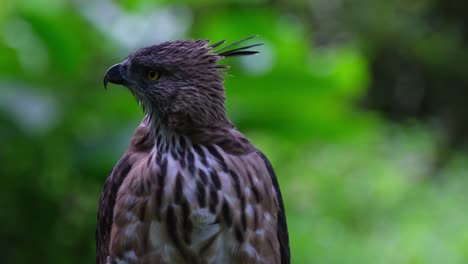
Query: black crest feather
point(226, 51)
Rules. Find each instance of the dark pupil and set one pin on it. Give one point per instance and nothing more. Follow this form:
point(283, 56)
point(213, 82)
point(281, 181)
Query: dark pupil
point(152, 74)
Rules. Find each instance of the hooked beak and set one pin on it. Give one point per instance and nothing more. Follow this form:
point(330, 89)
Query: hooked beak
point(114, 75)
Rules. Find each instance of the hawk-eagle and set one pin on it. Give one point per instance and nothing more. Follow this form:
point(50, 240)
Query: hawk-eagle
point(190, 188)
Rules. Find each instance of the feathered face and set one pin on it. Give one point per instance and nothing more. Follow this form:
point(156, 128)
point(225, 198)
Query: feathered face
point(177, 79)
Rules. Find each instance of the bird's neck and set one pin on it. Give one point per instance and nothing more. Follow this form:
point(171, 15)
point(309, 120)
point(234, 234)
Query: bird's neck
point(167, 122)
point(165, 138)
point(161, 139)
point(160, 135)
point(186, 114)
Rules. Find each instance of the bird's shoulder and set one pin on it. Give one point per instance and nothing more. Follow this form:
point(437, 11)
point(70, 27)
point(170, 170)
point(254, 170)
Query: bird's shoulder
point(139, 147)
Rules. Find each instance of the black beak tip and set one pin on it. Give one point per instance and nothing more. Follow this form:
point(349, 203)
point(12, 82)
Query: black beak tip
point(106, 80)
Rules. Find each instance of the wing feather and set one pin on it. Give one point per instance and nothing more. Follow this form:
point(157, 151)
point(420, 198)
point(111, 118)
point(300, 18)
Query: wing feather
point(282, 227)
point(106, 207)
point(139, 143)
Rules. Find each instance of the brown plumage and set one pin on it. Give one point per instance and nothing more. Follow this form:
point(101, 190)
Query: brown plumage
point(190, 188)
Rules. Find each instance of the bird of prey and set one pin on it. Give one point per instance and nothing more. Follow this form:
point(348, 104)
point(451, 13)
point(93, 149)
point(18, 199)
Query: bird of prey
point(190, 188)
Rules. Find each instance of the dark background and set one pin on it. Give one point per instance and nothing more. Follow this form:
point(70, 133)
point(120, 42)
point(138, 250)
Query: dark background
point(361, 105)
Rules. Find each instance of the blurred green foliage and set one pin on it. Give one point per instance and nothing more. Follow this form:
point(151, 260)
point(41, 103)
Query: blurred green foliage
point(353, 184)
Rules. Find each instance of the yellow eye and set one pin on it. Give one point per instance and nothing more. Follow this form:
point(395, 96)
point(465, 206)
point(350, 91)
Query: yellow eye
point(152, 75)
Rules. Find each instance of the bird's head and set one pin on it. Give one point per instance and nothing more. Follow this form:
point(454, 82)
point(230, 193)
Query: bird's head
point(179, 83)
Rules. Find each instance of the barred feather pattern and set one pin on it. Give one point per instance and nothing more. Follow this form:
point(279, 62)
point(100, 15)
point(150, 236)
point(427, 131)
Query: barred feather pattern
point(185, 203)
